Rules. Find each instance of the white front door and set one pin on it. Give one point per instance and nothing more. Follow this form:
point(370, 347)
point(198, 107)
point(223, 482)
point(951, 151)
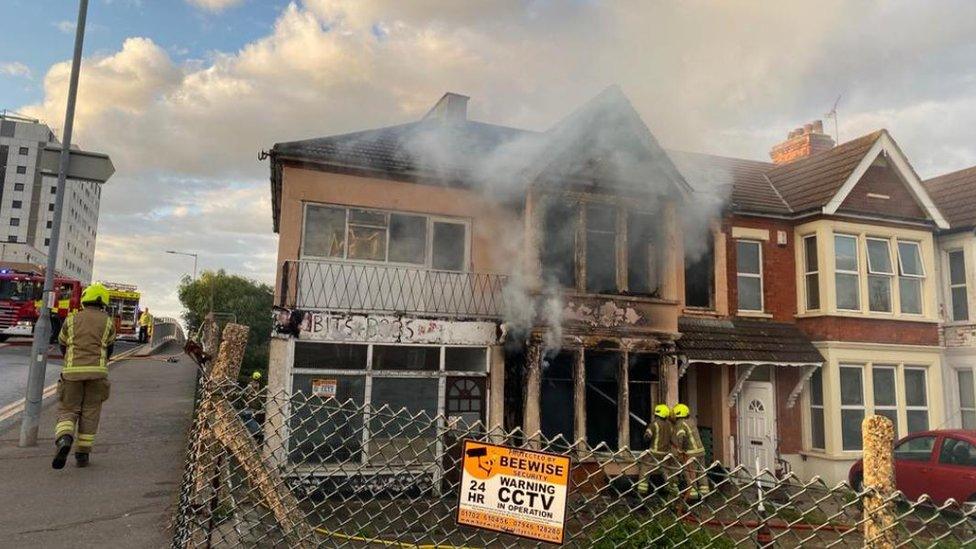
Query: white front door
point(757, 424)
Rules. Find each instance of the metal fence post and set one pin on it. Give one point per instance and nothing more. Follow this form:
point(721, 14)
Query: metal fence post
point(879, 482)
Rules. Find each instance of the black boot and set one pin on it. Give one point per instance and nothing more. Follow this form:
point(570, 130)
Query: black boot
point(81, 458)
point(63, 443)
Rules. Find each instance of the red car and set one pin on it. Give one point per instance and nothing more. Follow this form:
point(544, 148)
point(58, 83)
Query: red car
point(941, 464)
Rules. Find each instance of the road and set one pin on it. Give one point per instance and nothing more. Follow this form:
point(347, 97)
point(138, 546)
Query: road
point(15, 362)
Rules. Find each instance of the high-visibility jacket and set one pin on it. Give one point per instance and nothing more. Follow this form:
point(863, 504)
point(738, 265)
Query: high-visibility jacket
point(659, 434)
point(87, 336)
point(686, 438)
point(145, 319)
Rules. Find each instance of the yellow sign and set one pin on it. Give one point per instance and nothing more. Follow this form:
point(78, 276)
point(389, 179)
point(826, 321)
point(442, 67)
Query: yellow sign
point(519, 492)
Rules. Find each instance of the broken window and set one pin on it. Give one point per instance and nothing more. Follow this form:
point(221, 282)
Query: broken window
point(700, 274)
point(556, 395)
point(367, 235)
point(325, 231)
point(448, 246)
point(641, 253)
point(408, 239)
point(601, 398)
point(642, 384)
point(601, 249)
point(558, 246)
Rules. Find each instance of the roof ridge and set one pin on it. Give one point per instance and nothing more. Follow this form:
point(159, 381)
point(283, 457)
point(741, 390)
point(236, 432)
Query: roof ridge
point(943, 177)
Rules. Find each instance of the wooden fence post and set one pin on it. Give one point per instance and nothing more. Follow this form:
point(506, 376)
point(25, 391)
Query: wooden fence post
point(879, 482)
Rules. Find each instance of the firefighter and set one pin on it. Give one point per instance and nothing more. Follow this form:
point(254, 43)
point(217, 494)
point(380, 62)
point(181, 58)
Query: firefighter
point(688, 444)
point(87, 339)
point(253, 396)
point(145, 325)
point(658, 434)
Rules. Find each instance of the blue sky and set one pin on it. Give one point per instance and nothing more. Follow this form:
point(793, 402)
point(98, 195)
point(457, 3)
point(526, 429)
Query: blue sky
point(44, 33)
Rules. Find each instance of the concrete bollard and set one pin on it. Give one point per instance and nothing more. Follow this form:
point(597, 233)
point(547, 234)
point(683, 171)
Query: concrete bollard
point(878, 435)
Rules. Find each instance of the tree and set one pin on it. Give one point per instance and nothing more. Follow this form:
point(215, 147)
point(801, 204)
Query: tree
point(231, 297)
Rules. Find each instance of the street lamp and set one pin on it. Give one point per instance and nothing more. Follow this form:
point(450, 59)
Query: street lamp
point(194, 256)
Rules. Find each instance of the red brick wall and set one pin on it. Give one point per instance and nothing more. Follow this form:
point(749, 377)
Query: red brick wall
point(779, 267)
point(883, 180)
point(836, 328)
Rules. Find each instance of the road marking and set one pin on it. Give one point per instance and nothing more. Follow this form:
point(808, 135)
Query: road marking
point(17, 407)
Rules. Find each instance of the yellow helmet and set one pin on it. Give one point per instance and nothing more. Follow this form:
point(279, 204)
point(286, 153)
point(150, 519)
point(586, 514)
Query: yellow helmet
point(96, 293)
point(256, 375)
point(662, 411)
point(681, 410)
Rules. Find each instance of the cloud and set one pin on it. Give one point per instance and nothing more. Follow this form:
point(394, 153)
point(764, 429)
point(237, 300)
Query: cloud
point(15, 68)
point(214, 5)
point(722, 77)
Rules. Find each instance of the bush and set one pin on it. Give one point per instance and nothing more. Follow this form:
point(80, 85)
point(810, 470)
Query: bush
point(665, 530)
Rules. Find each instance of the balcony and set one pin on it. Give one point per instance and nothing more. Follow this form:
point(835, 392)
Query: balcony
point(363, 288)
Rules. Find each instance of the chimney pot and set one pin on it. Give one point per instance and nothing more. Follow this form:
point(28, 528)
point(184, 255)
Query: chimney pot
point(802, 142)
point(818, 126)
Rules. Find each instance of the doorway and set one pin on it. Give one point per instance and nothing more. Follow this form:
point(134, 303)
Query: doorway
point(757, 421)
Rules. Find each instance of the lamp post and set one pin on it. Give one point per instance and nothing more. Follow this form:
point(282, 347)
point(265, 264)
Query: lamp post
point(194, 256)
point(42, 331)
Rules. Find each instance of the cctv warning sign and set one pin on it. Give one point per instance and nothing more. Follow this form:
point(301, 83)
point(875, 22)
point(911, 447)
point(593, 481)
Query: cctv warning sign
point(519, 492)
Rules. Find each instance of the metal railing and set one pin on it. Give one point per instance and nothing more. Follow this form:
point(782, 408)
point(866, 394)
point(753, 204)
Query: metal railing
point(320, 285)
point(303, 470)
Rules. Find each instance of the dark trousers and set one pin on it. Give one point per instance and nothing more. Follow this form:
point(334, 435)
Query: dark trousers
point(143, 334)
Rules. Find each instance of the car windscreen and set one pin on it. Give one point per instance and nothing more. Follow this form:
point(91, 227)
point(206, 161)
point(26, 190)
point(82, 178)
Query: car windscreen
point(915, 449)
point(17, 290)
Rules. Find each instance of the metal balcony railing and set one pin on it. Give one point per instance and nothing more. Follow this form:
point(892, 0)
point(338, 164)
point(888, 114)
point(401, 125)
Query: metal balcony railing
point(378, 288)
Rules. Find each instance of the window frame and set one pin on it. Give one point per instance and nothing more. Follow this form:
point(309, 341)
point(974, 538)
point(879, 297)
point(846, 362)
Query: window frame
point(924, 407)
point(896, 407)
point(808, 273)
point(428, 239)
point(759, 275)
point(956, 285)
point(877, 273)
point(856, 272)
point(919, 277)
point(821, 407)
point(863, 406)
point(972, 388)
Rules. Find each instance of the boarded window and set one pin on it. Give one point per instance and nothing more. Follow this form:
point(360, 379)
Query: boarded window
point(601, 398)
point(449, 242)
point(601, 249)
point(642, 264)
point(558, 246)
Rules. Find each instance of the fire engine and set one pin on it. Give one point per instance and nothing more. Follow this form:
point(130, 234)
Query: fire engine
point(123, 305)
point(20, 302)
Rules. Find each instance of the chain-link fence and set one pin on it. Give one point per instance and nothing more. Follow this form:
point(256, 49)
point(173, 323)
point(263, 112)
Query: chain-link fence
point(303, 470)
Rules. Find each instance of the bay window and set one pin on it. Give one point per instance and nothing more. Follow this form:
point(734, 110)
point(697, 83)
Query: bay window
point(811, 272)
point(851, 406)
point(911, 274)
point(967, 398)
point(916, 402)
point(880, 274)
point(749, 277)
point(958, 293)
point(847, 272)
point(885, 401)
point(817, 434)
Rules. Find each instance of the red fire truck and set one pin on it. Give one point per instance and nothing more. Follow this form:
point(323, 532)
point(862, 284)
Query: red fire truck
point(20, 302)
point(123, 304)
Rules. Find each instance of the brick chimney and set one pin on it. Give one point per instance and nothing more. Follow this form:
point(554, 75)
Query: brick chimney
point(452, 107)
point(802, 142)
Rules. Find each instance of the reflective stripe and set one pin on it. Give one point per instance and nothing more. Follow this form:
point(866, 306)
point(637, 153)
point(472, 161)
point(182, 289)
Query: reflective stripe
point(64, 427)
point(69, 342)
point(85, 369)
point(109, 323)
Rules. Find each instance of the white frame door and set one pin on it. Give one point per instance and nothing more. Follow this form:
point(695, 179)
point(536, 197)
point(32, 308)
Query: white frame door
point(757, 425)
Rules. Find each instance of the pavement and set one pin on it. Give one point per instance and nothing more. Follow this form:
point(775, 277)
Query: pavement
point(127, 495)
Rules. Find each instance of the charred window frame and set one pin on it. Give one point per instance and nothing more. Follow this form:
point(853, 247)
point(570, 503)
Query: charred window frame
point(601, 248)
point(557, 397)
point(643, 236)
point(382, 236)
point(700, 276)
point(558, 246)
point(602, 377)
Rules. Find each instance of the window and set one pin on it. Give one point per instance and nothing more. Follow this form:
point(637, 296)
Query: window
point(851, 406)
point(24, 151)
point(957, 285)
point(916, 402)
point(12, 238)
point(558, 249)
point(916, 449)
point(642, 256)
point(816, 410)
point(601, 249)
point(967, 399)
point(748, 259)
point(911, 275)
point(50, 207)
point(14, 221)
point(811, 272)
point(48, 224)
point(556, 396)
point(54, 190)
point(47, 241)
point(357, 234)
point(601, 398)
point(16, 204)
point(956, 451)
point(880, 273)
point(18, 186)
point(700, 273)
point(885, 400)
point(642, 381)
point(847, 274)
point(21, 169)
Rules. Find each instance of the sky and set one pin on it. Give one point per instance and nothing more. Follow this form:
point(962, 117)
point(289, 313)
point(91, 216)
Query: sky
point(184, 94)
